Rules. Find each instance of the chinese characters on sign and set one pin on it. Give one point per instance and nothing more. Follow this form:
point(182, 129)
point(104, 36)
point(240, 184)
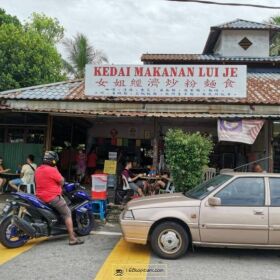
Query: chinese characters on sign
point(167, 80)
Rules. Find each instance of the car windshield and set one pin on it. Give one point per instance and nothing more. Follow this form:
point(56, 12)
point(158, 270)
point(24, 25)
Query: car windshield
point(203, 189)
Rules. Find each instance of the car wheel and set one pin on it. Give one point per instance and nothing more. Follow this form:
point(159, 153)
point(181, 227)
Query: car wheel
point(169, 240)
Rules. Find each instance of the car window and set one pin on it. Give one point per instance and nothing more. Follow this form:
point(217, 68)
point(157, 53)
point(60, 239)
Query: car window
point(245, 191)
point(203, 189)
point(274, 184)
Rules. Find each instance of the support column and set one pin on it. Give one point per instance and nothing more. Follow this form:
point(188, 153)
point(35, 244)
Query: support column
point(270, 145)
point(49, 133)
point(155, 144)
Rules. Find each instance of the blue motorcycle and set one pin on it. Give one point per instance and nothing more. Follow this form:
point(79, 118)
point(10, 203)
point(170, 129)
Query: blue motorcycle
point(26, 217)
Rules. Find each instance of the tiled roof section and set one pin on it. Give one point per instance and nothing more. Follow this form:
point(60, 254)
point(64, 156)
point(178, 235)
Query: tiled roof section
point(205, 58)
point(262, 88)
point(245, 24)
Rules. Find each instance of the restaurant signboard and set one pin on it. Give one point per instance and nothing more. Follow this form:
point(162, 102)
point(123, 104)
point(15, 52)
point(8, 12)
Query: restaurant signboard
point(166, 80)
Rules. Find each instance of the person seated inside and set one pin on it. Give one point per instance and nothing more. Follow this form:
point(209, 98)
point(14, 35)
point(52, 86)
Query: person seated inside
point(2, 170)
point(26, 174)
point(162, 183)
point(134, 181)
point(257, 168)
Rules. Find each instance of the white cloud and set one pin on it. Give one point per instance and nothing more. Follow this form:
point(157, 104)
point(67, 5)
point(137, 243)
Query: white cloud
point(125, 29)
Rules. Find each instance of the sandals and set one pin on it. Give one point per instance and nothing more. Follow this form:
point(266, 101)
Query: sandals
point(76, 242)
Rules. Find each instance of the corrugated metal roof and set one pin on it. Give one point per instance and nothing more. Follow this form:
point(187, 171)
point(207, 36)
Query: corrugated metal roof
point(54, 91)
point(109, 113)
point(205, 57)
point(245, 24)
point(262, 88)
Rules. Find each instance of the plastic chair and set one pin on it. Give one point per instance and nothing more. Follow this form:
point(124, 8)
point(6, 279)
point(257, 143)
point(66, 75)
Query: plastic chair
point(170, 188)
point(226, 170)
point(28, 188)
point(208, 174)
point(99, 208)
point(125, 183)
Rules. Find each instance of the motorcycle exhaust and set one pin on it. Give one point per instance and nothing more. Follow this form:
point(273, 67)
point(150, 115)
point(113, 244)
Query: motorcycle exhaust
point(24, 226)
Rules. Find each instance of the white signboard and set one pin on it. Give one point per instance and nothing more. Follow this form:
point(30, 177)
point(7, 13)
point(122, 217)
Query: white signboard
point(167, 80)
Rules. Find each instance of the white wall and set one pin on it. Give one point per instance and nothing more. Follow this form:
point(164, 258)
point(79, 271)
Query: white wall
point(228, 45)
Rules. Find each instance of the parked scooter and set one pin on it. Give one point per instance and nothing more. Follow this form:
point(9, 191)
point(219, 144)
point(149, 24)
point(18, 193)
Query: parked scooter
point(26, 217)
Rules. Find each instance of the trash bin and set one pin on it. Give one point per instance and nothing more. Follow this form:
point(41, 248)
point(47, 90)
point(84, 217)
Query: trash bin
point(99, 186)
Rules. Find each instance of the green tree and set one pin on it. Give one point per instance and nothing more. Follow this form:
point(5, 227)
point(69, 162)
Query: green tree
point(8, 19)
point(275, 45)
point(47, 27)
point(27, 58)
point(80, 53)
point(186, 155)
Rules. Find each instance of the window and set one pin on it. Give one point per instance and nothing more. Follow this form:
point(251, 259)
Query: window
point(246, 191)
point(274, 184)
point(202, 190)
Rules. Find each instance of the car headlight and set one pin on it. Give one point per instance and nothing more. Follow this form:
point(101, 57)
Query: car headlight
point(128, 215)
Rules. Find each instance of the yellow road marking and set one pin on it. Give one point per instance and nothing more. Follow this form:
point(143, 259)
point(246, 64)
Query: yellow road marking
point(8, 254)
point(127, 254)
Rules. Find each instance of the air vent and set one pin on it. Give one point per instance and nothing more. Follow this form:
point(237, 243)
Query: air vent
point(245, 43)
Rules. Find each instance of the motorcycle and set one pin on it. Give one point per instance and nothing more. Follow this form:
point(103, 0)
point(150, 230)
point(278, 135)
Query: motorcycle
point(26, 217)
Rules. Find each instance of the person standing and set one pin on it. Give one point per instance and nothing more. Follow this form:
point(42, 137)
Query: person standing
point(49, 183)
point(2, 170)
point(26, 174)
point(81, 164)
point(91, 161)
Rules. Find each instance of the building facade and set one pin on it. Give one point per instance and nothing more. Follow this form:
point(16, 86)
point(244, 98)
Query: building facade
point(62, 113)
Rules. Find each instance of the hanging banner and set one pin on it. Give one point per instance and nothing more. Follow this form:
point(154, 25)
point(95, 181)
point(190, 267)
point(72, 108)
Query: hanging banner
point(166, 80)
point(243, 131)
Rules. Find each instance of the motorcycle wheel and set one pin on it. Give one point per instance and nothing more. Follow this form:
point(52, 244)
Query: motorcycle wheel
point(84, 223)
point(10, 235)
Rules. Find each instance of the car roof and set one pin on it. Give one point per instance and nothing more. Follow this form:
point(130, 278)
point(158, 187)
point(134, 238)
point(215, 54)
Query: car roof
point(251, 174)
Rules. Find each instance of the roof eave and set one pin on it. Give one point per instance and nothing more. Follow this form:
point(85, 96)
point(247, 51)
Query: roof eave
point(212, 39)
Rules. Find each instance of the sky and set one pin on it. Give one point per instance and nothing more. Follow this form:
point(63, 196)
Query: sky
point(125, 29)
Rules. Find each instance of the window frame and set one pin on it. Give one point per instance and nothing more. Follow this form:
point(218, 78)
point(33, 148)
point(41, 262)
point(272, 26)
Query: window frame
point(241, 177)
point(270, 196)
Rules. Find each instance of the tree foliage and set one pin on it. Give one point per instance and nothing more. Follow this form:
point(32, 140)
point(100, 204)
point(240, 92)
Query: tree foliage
point(275, 45)
point(47, 27)
point(27, 58)
point(8, 19)
point(186, 155)
point(81, 52)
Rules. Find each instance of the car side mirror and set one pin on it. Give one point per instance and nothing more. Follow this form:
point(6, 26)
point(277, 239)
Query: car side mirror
point(214, 201)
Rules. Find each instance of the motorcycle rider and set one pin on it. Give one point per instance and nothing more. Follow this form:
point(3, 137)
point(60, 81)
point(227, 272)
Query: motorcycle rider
point(49, 183)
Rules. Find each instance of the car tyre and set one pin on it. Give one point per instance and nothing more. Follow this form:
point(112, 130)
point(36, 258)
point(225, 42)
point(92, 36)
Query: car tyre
point(169, 240)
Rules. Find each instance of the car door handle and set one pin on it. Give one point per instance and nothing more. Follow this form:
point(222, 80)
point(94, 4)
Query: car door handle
point(258, 212)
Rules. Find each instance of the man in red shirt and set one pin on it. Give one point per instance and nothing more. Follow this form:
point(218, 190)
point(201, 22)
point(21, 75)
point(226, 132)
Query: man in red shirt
point(49, 183)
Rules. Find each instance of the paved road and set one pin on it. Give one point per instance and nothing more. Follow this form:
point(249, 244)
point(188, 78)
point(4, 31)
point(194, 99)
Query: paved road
point(224, 264)
point(54, 259)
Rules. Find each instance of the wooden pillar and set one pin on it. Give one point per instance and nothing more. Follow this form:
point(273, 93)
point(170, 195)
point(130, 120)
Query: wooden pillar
point(270, 145)
point(49, 133)
point(155, 144)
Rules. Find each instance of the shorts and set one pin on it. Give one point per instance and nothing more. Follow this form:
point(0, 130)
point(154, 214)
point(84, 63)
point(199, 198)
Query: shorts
point(17, 182)
point(133, 186)
point(61, 206)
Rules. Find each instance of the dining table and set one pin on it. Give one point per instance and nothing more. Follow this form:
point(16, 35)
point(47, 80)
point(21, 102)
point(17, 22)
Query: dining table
point(154, 178)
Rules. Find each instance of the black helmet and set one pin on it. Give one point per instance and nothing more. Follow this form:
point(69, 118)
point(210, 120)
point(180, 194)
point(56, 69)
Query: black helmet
point(50, 157)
